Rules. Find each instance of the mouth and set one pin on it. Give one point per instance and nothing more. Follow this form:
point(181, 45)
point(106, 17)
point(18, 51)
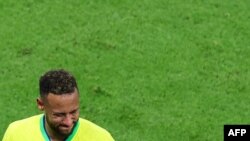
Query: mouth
point(65, 129)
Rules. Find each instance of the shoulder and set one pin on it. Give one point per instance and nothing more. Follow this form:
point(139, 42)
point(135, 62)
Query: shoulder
point(92, 130)
point(27, 122)
point(90, 125)
point(22, 128)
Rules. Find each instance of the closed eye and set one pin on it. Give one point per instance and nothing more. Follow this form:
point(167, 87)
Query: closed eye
point(74, 111)
point(59, 114)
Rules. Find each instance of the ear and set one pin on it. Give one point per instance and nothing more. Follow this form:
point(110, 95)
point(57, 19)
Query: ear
point(40, 104)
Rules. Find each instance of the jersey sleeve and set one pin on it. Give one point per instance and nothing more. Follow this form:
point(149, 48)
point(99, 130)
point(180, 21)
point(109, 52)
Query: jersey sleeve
point(8, 135)
point(109, 137)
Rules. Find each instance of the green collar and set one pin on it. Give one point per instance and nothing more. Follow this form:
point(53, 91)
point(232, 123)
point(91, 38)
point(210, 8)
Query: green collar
point(46, 136)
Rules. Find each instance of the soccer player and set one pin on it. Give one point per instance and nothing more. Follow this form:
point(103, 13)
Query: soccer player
point(59, 99)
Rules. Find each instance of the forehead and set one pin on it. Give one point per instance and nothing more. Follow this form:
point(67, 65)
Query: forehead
point(62, 103)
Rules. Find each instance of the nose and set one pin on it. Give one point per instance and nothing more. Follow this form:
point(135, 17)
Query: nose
point(67, 121)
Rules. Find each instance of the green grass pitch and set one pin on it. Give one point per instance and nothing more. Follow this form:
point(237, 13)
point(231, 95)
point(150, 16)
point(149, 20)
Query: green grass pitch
point(162, 70)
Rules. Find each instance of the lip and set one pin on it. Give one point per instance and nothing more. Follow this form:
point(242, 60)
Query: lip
point(65, 128)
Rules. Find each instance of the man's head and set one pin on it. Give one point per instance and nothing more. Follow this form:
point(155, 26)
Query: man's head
point(58, 82)
point(59, 99)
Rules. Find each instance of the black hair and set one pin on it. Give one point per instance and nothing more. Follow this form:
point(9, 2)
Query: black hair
point(57, 82)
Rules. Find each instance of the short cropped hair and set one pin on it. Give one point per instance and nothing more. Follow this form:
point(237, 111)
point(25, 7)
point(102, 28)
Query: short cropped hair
point(57, 82)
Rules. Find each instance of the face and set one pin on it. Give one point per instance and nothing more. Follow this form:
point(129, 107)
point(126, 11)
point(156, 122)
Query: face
point(61, 112)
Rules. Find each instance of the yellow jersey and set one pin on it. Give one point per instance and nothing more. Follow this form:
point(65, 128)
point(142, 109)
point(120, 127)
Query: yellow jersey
point(33, 129)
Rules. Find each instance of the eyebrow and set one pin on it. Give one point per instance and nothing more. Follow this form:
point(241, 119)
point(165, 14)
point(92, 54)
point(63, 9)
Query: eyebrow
point(62, 113)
